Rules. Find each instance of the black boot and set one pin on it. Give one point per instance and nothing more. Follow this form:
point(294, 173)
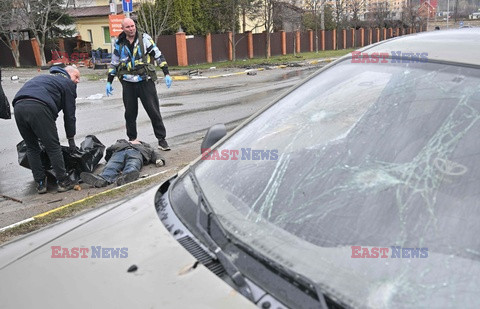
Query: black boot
point(65, 185)
point(42, 186)
point(93, 180)
point(127, 177)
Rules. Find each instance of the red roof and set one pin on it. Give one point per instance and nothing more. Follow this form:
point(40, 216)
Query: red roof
point(432, 3)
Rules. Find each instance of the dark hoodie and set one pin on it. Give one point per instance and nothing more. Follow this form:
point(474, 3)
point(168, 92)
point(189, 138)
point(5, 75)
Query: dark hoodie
point(149, 154)
point(57, 91)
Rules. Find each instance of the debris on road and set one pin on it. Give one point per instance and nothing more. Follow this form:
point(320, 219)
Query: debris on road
point(11, 198)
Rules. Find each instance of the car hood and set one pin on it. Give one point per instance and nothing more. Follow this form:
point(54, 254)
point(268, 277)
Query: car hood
point(167, 276)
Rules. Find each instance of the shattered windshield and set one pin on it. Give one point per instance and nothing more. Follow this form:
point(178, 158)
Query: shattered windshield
point(365, 179)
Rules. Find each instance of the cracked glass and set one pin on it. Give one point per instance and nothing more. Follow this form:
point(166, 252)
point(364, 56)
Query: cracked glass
point(359, 158)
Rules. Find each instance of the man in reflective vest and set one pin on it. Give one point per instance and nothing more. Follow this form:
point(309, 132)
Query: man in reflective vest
point(131, 64)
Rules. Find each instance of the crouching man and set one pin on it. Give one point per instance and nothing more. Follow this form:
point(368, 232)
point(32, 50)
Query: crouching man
point(36, 106)
point(124, 159)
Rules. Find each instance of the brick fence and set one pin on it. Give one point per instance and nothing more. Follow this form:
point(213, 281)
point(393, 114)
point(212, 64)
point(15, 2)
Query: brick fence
point(188, 50)
point(183, 50)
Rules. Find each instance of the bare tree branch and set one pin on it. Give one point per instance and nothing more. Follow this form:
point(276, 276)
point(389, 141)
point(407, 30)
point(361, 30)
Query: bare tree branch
point(11, 27)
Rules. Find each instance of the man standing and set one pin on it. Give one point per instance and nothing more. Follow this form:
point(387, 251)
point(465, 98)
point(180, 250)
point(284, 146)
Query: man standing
point(131, 64)
point(36, 106)
point(124, 159)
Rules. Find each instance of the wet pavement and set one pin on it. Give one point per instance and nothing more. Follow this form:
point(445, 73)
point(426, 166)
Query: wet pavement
point(188, 108)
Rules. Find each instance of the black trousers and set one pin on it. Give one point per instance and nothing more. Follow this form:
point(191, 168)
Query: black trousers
point(146, 91)
point(35, 121)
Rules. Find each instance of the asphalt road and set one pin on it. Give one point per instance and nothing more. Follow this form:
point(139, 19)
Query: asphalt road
point(189, 108)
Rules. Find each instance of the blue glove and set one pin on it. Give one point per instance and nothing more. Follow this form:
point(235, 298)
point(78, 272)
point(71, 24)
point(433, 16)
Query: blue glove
point(109, 89)
point(168, 81)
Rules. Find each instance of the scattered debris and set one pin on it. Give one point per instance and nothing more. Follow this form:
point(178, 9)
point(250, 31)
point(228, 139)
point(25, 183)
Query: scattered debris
point(132, 268)
point(97, 96)
point(54, 201)
point(188, 268)
point(294, 64)
point(251, 73)
point(14, 77)
point(77, 188)
point(194, 72)
point(11, 198)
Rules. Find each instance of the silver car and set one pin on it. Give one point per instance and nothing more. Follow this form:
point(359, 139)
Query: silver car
point(358, 188)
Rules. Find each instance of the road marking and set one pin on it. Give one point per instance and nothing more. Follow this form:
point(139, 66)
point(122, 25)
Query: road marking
point(175, 77)
point(16, 224)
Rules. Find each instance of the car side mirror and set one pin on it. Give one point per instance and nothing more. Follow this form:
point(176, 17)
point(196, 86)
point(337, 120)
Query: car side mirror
point(214, 134)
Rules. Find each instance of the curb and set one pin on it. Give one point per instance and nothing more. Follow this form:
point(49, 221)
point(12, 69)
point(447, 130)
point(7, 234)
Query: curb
point(3, 229)
point(282, 66)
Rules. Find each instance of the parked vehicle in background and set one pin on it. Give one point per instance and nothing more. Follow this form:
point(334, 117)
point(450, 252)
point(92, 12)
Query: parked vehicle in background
point(358, 188)
point(100, 59)
point(475, 15)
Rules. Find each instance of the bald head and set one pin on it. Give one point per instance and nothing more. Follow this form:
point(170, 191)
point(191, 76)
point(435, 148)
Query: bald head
point(128, 26)
point(74, 73)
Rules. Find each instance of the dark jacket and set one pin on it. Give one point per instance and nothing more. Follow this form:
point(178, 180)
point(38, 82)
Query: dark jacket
point(4, 106)
point(149, 154)
point(57, 91)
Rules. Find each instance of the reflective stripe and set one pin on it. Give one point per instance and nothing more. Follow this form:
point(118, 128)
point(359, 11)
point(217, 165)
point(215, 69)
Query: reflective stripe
point(124, 63)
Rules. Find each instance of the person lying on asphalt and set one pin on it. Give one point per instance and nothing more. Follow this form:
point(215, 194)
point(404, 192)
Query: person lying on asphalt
point(124, 159)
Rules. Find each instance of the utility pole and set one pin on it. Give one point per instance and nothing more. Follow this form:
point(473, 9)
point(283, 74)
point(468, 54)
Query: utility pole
point(448, 11)
point(428, 12)
point(127, 12)
point(316, 25)
point(113, 11)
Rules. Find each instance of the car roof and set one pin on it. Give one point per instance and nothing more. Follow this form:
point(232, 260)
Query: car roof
point(457, 45)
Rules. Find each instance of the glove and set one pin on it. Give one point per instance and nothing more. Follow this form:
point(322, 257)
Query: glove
point(168, 81)
point(109, 89)
point(71, 144)
point(159, 163)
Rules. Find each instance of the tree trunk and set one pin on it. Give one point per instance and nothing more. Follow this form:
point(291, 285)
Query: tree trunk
point(267, 47)
point(234, 23)
point(268, 26)
point(16, 56)
point(41, 46)
point(322, 16)
point(244, 20)
point(13, 46)
point(294, 43)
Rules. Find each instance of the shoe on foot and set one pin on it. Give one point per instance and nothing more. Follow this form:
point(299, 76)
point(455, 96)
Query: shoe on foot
point(163, 145)
point(65, 185)
point(42, 186)
point(128, 177)
point(93, 180)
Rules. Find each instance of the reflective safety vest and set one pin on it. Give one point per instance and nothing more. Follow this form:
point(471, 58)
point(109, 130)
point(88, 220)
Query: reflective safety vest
point(140, 67)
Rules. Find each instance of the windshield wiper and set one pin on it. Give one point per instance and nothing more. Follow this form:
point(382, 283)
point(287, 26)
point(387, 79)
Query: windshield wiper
point(203, 221)
point(204, 215)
